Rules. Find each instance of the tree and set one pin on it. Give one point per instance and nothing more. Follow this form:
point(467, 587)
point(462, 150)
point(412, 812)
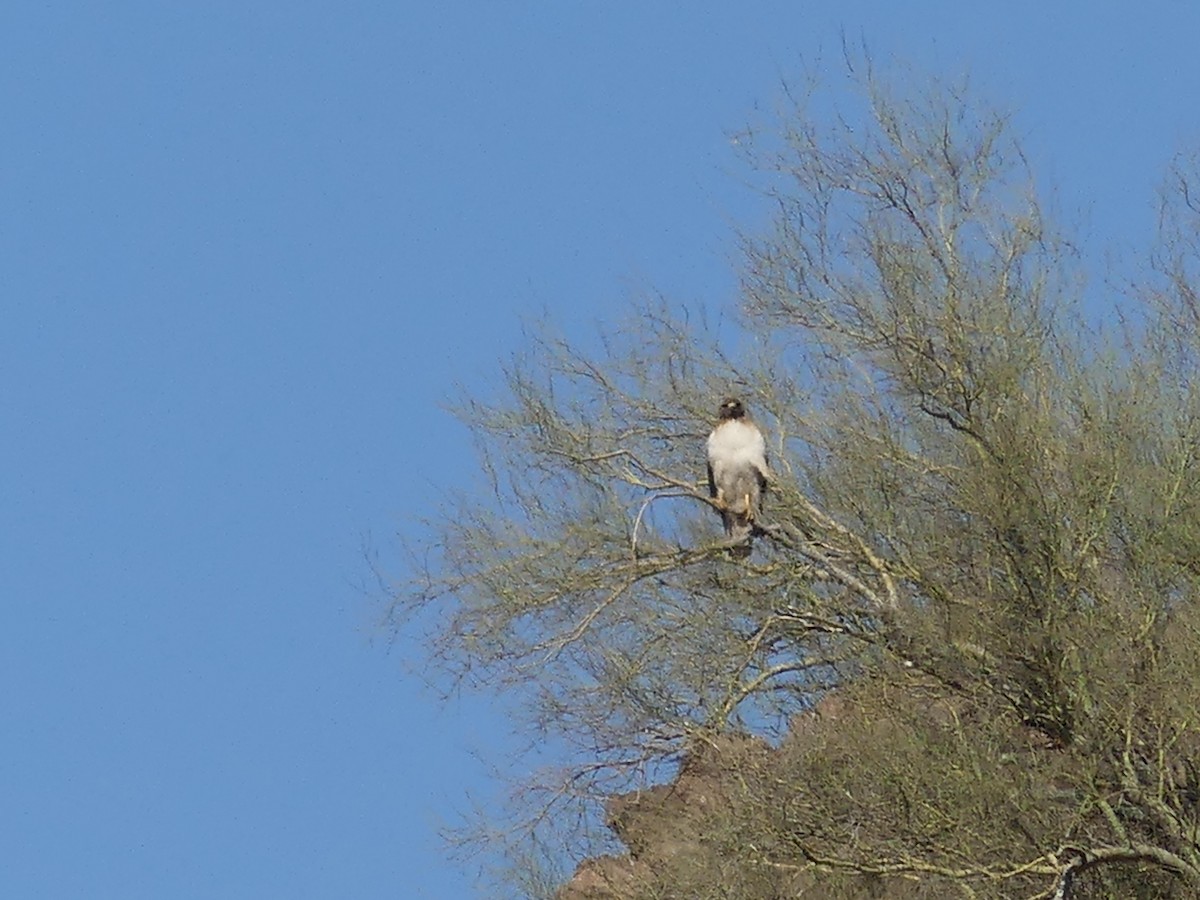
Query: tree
point(963, 656)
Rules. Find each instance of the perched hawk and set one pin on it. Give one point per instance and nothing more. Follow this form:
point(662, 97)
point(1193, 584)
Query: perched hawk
point(737, 471)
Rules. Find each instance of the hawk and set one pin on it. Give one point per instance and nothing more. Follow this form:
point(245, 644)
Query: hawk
point(737, 471)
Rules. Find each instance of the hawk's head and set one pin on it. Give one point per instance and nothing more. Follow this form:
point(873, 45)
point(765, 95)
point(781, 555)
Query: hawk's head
point(731, 408)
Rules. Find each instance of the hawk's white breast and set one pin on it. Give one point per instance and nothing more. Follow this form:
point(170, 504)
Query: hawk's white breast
point(735, 444)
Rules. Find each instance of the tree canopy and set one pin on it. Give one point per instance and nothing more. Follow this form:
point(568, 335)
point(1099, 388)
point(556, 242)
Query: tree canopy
point(963, 656)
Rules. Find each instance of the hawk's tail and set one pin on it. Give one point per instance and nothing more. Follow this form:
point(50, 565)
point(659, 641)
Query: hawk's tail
point(739, 526)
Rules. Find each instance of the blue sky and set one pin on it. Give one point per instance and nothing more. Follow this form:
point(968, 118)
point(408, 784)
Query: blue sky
point(246, 252)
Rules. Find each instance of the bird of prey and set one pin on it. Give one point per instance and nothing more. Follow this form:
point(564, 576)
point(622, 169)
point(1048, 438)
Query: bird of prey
point(737, 471)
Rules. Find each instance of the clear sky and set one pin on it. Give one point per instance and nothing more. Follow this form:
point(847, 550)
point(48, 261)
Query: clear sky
point(246, 251)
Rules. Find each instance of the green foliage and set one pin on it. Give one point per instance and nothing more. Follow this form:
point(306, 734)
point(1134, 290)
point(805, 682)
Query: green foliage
point(969, 627)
